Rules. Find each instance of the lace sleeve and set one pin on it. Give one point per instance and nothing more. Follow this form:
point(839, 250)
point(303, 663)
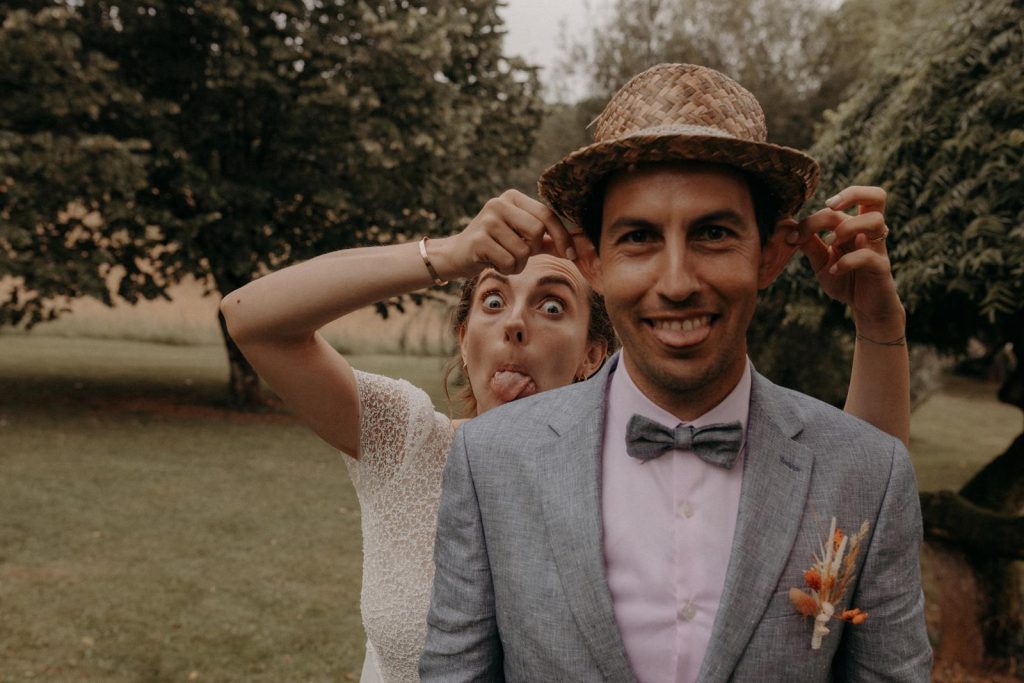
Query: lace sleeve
point(395, 418)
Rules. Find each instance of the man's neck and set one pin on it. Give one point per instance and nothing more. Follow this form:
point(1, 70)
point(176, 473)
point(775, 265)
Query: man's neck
point(687, 405)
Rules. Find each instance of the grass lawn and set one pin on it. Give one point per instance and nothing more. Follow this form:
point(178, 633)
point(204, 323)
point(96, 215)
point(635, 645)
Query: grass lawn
point(147, 533)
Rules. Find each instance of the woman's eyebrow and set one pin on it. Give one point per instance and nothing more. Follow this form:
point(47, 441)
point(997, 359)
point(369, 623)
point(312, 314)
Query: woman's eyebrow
point(557, 280)
point(492, 274)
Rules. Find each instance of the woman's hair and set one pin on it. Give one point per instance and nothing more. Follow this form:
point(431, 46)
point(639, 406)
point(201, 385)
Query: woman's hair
point(599, 329)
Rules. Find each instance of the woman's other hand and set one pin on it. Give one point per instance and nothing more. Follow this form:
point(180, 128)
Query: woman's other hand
point(851, 262)
point(508, 230)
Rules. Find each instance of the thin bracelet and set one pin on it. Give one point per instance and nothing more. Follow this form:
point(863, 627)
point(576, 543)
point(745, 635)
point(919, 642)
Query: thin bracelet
point(902, 341)
point(426, 261)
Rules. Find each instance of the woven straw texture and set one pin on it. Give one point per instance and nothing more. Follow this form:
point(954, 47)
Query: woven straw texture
point(680, 112)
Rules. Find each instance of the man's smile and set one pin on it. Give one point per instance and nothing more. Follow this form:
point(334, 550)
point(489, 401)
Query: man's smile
point(681, 331)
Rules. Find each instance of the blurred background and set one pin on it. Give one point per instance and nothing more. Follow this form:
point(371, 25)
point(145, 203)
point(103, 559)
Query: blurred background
point(163, 519)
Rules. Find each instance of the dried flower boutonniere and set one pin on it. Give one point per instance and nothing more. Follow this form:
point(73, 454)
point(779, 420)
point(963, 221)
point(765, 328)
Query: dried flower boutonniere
point(827, 579)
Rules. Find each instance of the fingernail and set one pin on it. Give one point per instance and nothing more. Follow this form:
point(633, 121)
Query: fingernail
point(793, 237)
point(834, 270)
point(832, 201)
point(570, 254)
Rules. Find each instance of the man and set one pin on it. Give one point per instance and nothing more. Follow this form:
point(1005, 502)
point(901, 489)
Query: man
point(559, 557)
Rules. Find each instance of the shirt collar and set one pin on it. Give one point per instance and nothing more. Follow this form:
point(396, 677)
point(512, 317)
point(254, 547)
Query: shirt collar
point(628, 400)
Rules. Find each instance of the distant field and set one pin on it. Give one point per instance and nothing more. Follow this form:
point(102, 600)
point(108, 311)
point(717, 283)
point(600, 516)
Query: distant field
point(148, 533)
point(957, 429)
point(190, 318)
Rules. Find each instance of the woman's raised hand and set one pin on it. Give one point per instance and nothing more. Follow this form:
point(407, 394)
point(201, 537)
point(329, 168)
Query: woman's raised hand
point(852, 266)
point(852, 263)
point(508, 230)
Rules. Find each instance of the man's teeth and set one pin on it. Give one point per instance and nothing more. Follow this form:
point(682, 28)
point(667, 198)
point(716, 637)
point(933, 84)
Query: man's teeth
point(687, 325)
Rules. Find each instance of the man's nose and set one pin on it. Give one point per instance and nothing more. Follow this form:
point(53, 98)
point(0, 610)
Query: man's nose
point(515, 327)
point(678, 279)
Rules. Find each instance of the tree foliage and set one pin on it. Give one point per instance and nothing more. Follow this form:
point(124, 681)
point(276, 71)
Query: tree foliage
point(773, 47)
point(941, 126)
point(222, 138)
point(68, 185)
point(936, 119)
point(943, 131)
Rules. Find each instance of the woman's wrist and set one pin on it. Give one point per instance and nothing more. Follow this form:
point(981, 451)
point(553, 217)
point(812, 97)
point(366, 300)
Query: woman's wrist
point(439, 254)
point(887, 330)
point(438, 280)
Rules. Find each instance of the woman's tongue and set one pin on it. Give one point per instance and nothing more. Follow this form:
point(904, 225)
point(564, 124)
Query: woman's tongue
point(509, 385)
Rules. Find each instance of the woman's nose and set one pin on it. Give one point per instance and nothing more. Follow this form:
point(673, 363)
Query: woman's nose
point(515, 327)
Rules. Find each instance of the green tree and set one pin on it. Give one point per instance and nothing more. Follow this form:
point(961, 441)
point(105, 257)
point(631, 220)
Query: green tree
point(774, 48)
point(59, 166)
point(250, 135)
point(941, 127)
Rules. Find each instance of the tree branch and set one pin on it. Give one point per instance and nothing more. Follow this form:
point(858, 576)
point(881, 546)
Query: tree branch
point(952, 518)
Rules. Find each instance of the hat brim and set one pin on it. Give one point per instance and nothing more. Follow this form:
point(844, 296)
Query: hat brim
point(789, 174)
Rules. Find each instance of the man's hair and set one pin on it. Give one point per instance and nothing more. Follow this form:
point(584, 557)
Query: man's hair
point(766, 208)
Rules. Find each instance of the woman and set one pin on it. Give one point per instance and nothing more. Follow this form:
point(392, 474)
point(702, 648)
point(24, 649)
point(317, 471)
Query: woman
point(527, 322)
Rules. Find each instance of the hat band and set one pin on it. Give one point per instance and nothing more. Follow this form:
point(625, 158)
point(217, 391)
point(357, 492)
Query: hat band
point(678, 129)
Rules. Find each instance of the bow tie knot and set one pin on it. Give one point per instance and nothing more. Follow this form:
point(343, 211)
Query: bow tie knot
point(716, 444)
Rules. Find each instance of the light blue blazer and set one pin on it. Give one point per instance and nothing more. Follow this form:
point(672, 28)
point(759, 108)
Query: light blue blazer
point(520, 592)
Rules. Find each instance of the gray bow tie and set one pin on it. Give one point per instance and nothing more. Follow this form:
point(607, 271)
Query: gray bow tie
point(717, 444)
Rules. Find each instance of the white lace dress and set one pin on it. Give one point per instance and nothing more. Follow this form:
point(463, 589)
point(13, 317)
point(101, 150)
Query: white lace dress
point(403, 446)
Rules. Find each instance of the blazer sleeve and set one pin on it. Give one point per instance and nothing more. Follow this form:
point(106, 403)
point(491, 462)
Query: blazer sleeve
point(462, 635)
point(892, 645)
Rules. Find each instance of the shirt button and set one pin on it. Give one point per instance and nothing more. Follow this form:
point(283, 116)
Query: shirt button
point(688, 611)
point(686, 509)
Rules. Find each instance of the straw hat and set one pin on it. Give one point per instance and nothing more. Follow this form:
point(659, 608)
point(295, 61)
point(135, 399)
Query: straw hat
point(680, 112)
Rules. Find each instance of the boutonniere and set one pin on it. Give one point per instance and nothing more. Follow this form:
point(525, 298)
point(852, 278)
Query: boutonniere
point(827, 580)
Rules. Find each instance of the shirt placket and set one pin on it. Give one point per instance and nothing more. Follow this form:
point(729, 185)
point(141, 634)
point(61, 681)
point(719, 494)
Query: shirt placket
point(685, 471)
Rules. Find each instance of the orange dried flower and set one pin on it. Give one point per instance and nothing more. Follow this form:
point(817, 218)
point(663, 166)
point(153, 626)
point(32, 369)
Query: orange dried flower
point(828, 579)
point(854, 616)
point(804, 603)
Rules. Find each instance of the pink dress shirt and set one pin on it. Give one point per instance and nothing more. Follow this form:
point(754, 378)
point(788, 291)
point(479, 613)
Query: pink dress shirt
point(668, 530)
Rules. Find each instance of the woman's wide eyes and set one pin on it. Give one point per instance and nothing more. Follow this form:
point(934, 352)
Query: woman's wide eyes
point(553, 306)
point(492, 301)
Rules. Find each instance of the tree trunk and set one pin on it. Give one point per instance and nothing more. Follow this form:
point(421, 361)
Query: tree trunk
point(243, 382)
point(974, 540)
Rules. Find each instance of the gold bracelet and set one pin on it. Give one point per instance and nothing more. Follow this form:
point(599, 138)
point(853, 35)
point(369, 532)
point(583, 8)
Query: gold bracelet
point(426, 261)
point(902, 341)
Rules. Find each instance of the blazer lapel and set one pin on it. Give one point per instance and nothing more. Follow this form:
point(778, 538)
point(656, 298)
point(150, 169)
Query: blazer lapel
point(776, 479)
point(569, 481)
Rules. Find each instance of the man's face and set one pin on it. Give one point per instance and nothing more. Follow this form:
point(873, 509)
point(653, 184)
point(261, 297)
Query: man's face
point(680, 263)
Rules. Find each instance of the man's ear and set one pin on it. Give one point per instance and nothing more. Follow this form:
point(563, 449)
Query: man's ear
point(588, 261)
point(775, 253)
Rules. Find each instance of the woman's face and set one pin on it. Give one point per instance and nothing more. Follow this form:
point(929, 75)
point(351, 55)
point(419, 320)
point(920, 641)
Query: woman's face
point(527, 333)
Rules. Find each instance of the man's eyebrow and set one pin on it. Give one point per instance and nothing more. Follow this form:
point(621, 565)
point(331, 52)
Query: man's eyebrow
point(557, 280)
point(630, 222)
point(730, 215)
point(727, 215)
